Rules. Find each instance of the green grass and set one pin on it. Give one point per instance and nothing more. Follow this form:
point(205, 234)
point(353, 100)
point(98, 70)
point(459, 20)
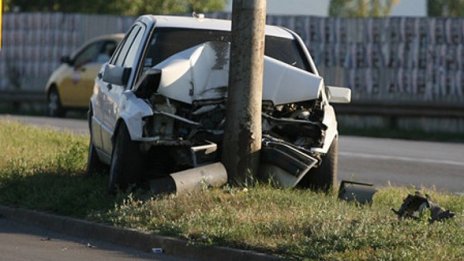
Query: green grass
point(44, 170)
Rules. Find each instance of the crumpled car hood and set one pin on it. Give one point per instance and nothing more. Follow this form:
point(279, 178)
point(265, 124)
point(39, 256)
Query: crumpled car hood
point(202, 73)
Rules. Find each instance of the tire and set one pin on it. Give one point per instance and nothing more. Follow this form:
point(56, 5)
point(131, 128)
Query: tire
point(126, 162)
point(94, 165)
point(54, 107)
point(324, 178)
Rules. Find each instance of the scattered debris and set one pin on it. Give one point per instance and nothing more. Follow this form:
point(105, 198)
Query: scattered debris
point(356, 191)
point(284, 163)
point(414, 205)
point(191, 180)
point(90, 245)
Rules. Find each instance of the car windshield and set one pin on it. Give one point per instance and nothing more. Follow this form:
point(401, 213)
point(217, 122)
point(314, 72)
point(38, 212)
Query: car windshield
point(166, 42)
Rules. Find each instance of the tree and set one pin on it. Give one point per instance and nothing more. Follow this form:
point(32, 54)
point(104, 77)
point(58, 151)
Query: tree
point(361, 8)
point(120, 7)
point(445, 7)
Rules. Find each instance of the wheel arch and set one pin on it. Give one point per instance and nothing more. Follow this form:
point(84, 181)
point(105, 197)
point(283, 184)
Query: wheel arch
point(50, 87)
point(89, 115)
point(132, 112)
point(120, 122)
point(116, 130)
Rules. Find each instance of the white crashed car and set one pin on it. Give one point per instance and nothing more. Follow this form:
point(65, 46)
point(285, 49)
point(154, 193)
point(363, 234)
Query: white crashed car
point(159, 105)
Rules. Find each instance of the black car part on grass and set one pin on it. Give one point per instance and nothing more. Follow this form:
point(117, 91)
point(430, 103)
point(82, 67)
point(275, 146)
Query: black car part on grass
point(414, 205)
point(356, 191)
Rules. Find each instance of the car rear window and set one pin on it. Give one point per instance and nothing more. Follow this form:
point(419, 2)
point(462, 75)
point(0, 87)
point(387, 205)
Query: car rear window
point(166, 42)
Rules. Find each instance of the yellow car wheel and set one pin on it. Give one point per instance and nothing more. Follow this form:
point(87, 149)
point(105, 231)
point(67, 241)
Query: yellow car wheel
point(54, 107)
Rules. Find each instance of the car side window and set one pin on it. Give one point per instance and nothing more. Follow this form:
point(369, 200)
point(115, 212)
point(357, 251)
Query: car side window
point(131, 55)
point(106, 51)
point(121, 57)
point(88, 54)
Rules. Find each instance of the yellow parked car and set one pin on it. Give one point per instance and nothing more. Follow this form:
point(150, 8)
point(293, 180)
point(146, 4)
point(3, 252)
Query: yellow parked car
point(71, 85)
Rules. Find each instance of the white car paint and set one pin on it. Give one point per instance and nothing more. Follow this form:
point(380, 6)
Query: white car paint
point(210, 24)
point(339, 94)
point(202, 72)
point(284, 83)
point(330, 122)
point(132, 110)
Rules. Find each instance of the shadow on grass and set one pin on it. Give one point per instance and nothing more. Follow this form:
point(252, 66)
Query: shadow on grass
point(64, 194)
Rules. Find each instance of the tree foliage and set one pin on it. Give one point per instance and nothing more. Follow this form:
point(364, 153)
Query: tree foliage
point(361, 8)
point(445, 7)
point(120, 7)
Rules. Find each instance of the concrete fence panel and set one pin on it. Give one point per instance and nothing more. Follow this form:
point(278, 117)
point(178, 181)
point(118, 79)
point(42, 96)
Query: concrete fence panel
point(400, 59)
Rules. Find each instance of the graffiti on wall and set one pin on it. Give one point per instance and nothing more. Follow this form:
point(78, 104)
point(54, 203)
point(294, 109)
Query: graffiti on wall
point(379, 58)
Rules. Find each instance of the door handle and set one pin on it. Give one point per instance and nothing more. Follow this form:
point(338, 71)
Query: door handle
point(109, 86)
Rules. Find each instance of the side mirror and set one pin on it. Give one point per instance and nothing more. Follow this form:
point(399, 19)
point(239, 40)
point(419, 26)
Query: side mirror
point(66, 59)
point(339, 94)
point(116, 74)
point(148, 84)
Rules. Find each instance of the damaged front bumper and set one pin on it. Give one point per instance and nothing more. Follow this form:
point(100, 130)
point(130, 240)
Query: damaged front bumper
point(284, 163)
point(193, 136)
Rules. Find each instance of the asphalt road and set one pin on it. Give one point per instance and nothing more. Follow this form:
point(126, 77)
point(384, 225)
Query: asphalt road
point(401, 162)
point(374, 160)
point(19, 242)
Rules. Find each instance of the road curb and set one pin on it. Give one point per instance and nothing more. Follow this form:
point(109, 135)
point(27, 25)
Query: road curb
point(128, 237)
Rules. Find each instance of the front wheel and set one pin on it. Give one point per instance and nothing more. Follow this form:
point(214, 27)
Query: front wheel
point(324, 178)
point(126, 162)
point(54, 107)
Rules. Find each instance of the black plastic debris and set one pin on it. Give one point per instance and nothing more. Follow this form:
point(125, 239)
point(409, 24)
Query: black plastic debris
point(356, 191)
point(414, 205)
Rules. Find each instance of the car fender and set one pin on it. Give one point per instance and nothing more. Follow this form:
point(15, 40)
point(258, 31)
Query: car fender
point(93, 104)
point(131, 111)
point(57, 77)
point(330, 121)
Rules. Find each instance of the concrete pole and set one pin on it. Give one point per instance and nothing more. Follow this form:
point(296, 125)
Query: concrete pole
point(242, 137)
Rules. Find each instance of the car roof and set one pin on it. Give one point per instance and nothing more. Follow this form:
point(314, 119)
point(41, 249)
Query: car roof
point(209, 24)
point(116, 37)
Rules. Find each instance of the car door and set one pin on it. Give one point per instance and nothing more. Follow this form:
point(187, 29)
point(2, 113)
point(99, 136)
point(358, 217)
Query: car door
point(114, 80)
point(90, 70)
point(74, 89)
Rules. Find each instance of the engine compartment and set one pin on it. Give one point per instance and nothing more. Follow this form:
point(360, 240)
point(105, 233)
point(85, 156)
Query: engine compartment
point(191, 134)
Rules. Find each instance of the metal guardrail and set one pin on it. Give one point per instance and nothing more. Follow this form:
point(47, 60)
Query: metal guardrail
point(21, 96)
point(401, 109)
point(362, 108)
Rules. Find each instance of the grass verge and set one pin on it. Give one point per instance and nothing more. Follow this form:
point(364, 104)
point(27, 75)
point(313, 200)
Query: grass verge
point(44, 170)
